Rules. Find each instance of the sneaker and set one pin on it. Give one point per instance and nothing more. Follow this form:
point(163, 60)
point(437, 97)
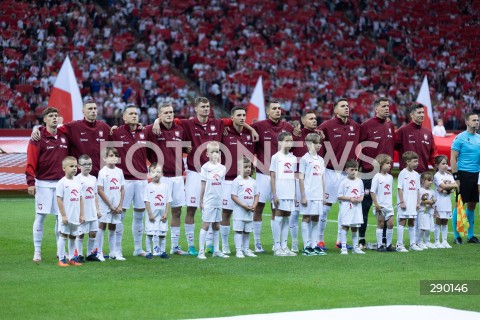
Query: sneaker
point(117, 257)
point(438, 245)
point(319, 251)
point(201, 256)
point(249, 253)
point(430, 245)
point(422, 246)
point(415, 247)
point(344, 251)
point(63, 263)
point(473, 240)
point(192, 251)
point(81, 259)
point(446, 245)
point(156, 251)
point(100, 256)
point(139, 253)
point(74, 262)
point(209, 249)
point(362, 246)
point(390, 248)
point(279, 253)
point(321, 245)
point(164, 255)
point(239, 254)
point(401, 248)
point(357, 250)
point(179, 251)
point(339, 246)
point(37, 257)
point(220, 254)
point(226, 250)
point(308, 251)
point(289, 253)
point(382, 249)
point(295, 246)
point(149, 256)
point(92, 257)
point(259, 248)
point(458, 240)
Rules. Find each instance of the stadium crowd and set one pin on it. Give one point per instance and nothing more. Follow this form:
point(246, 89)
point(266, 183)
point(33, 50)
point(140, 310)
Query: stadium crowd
point(308, 53)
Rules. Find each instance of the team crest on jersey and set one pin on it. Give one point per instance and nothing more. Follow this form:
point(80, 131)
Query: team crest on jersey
point(39, 206)
point(212, 127)
point(351, 128)
point(192, 199)
point(177, 133)
point(425, 136)
point(248, 137)
point(100, 134)
point(142, 136)
point(225, 202)
point(63, 139)
point(390, 130)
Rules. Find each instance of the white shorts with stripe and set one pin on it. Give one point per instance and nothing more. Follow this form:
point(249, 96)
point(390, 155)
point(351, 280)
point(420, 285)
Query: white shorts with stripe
point(193, 185)
point(313, 208)
point(264, 187)
point(176, 185)
point(134, 193)
point(210, 215)
point(89, 226)
point(46, 199)
point(227, 202)
point(242, 226)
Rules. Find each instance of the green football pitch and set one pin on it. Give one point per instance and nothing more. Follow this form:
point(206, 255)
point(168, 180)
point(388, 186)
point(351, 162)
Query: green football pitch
point(185, 287)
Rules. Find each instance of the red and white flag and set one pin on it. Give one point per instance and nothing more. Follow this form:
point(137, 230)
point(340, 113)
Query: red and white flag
point(65, 94)
point(424, 99)
point(256, 107)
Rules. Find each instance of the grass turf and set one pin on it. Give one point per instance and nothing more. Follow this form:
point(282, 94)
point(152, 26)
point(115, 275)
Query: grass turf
point(185, 287)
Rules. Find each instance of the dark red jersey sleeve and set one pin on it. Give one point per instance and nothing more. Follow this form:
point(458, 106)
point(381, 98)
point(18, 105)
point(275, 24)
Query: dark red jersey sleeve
point(33, 152)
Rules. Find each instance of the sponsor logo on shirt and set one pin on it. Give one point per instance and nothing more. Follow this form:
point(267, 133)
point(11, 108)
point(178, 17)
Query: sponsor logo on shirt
point(316, 169)
point(355, 192)
point(160, 202)
point(287, 167)
point(412, 187)
point(114, 181)
point(75, 194)
point(216, 182)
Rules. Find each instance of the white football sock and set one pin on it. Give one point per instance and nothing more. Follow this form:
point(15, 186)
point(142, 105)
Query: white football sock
point(426, 236)
point(355, 239)
point(411, 234)
point(111, 242)
point(201, 240)
point(137, 230)
point(246, 241)
point(79, 245)
point(216, 240)
point(174, 236)
point(99, 240)
point(344, 238)
point(238, 239)
point(277, 230)
point(293, 225)
point(306, 236)
point(323, 222)
point(61, 247)
point(162, 244)
point(148, 243)
point(119, 228)
point(389, 236)
point(189, 233)
point(38, 231)
point(209, 237)
point(71, 248)
point(436, 233)
point(156, 242)
point(339, 229)
point(91, 245)
point(379, 235)
point(225, 231)
point(444, 232)
point(284, 234)
point(400, 229)
point(257, 230)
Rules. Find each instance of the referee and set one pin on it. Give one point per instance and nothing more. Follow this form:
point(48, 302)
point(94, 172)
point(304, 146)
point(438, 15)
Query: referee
point(465, 163)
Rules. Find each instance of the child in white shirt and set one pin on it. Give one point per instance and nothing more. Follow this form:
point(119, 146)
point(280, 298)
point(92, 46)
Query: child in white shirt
point(425, 214)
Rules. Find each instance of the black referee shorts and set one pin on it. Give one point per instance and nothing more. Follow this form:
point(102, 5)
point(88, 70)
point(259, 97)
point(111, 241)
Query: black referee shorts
point(468, 186)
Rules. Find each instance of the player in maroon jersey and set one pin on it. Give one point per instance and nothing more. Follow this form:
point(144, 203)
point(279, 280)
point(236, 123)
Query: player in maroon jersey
point(342, 136)
point(233, 145)
point(86, 135)
point(170, 142)
point(43, 170)
point(377, 136)
point(414, 137)
point(267, 145)
point(132, 142)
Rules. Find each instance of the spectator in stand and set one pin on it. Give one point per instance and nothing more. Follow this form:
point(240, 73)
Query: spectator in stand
point(439, 129)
